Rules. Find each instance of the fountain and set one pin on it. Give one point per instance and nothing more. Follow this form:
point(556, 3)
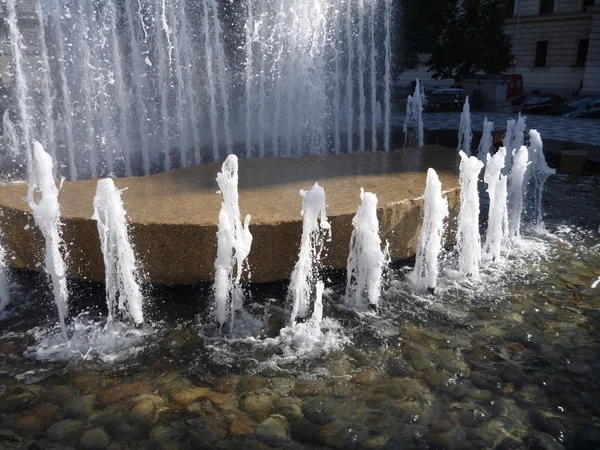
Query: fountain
point(430, 244)
point(234, 241)
point(315, 231)
point(516, 192)
point(497, 230)
point(539, 171)
point(465, 135)
point(487, 141)
point(139, 87)
point(46, 213)
point(413, 121)
point(123, 292)
point(366, 261)
point(468, 241)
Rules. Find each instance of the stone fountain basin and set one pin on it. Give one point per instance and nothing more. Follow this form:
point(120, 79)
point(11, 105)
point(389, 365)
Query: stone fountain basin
point(173, 215)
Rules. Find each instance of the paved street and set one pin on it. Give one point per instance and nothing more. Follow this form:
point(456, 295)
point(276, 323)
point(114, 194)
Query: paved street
point(583, 131)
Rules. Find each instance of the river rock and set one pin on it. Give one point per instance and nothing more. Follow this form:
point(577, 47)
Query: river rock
point(258, 404)
point(80, 407)
point(66, 431)
point(164, 433)
point(190, 395)
point(240, 424)
point(94, 439)
point(290, 407)
point(319, 410)
point(120, 392)
point(34, 420)
point(273, 430)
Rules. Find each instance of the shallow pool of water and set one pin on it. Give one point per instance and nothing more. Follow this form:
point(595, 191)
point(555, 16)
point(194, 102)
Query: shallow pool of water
point(508, 360)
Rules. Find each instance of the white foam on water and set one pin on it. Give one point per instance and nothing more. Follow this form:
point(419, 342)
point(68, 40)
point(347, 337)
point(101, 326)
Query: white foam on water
point(234, 241)
point(366, 259)
point(315, 230)
point(122, 279)
point(90, 340)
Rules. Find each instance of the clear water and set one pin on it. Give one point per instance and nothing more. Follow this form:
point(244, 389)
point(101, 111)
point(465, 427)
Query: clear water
point(507, 360)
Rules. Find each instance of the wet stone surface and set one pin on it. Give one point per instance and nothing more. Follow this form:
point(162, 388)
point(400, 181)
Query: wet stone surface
point(508, 361)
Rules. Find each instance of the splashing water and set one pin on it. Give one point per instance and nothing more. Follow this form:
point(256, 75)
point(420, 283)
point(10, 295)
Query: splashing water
point(497, 231)
point(506, 143)
point(425, 274)
point(234, 241)
point(366, 261)
point(465, 135)
point(414, 117)
point(315, 230)
point(4, 279)
point(46, 213)
point(515, 136)
point(468, 241)
point(123, 293)
point(516, 192)
point(487, 141)
point(539, 171)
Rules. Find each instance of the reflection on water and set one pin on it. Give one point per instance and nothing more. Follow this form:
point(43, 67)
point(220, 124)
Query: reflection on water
point(504, 360)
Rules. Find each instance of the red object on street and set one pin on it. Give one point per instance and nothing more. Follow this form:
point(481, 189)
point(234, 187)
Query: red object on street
point(515, 85)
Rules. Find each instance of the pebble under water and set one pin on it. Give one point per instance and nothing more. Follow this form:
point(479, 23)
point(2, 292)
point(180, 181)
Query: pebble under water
point(508, 360)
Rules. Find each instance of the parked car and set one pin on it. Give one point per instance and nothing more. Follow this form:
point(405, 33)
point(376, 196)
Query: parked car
point(535, 103)
point(585, 106)
point(445, 98)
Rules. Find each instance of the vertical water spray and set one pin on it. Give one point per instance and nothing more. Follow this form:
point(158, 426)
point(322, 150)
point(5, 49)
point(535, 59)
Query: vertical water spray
point(366, 260)
point(373, 70)
point(507, 142)
point(249, 85)
point(315, 230)
point(468, 240)
point(465, 135)
point(22, 90)
point(349, 78)
point(387, 75)
point(123, 293)
point(516, 192)
point(487, 141)
point(361, 75)
point(539, 171)
point(336, 79)
point(164, 49)
point(211, 84)
point(414, 117)
point(430, 244)
point(46, 213)
point(234, 241)
point(497, 229)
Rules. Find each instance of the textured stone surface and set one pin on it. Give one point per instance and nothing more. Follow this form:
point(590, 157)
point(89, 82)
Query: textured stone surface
point(174, 214)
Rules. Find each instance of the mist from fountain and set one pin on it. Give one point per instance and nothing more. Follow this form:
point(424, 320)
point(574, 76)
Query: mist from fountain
point(486, 144)
point(465, 135)
point(122, 275)
point(507, 142)
point(46, 213)
point(468, 240)
point(413, 121)
point(315, 231)
point(234, 242)
point(497, 229)
point(366, 260)
point(430, 244)
point(539, 171)
point(516, 192)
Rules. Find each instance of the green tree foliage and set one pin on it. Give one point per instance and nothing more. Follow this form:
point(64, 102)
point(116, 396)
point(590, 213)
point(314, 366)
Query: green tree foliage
point(462, 38)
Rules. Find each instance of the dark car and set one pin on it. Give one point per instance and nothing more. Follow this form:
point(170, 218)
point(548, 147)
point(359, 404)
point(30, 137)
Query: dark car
point(578, 106)
point(445, 98)
point(535, 103)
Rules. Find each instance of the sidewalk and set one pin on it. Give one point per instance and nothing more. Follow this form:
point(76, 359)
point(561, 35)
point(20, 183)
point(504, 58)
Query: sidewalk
point(581, 131)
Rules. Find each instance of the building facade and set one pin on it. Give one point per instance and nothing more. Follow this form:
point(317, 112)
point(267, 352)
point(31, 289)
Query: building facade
point(556, 44)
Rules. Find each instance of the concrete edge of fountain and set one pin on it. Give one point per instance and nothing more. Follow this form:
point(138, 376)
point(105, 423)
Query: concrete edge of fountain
point(173, 215)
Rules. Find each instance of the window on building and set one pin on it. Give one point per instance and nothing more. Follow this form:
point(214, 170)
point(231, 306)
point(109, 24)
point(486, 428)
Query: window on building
point(509, 8)
point(587, 3)
point(582, 52)
point(546, 7)
point(541, 53)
